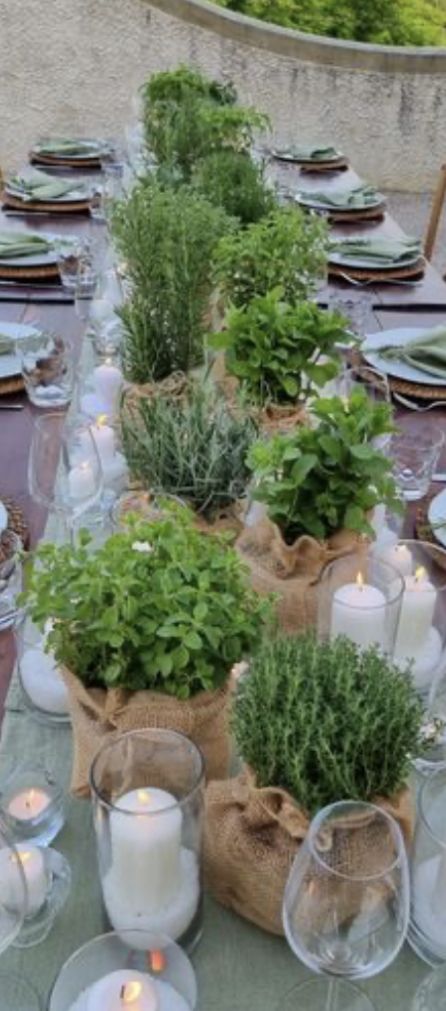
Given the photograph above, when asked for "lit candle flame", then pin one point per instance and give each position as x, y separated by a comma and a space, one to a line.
130, 992
420, 573
157, 961
29, 798
360, 580
85, 465
101, 420
20, 858
144, 796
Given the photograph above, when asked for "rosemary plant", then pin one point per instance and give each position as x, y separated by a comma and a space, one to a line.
194, 449
166, 236
178, 85
327, 721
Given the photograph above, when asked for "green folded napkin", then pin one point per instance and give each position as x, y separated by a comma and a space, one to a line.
6, 345
426, 352
384, 251
67, 146
40, 186
315, 152
359, 196
22, 244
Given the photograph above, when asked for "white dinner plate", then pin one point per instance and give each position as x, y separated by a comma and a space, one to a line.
38, 259
373, 342
307, 200
364, 263
9, 363
283, 156
436, 513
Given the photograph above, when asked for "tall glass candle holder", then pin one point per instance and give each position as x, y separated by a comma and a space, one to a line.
148, 973
360, 597
421, 631
147, 790
427, 929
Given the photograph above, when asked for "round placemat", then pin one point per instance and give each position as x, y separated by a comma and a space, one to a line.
357, 214
16, 520
324, 166
423, 529
421, 391
50, 206
30, 273
11, 384
372, 274
65, 162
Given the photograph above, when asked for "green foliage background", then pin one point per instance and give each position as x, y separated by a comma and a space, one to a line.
389, 22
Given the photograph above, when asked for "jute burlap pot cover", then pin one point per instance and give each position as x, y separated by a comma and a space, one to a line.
98, 714
251, 837
291, 571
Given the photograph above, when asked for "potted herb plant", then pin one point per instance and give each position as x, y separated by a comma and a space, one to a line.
166, 237
314, 723
286, 248
280, 352
318, 485
192, 447
179, 84
146, 629
230, 179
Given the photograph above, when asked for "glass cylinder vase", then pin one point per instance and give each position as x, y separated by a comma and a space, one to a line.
427, 930
148, 791
360, 597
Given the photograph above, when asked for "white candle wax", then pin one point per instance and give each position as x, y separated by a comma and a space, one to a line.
42, 682
3, 518
429, 901
102, 995
358, 612
92, 405
28, 804
400, 557
417, 612
108, 380
81, 481
33, 866
115, 471
146, 849
104, 439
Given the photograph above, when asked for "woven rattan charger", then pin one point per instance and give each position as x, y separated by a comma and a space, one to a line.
309, 168
414, 271
49, 206
65, 162
420, 391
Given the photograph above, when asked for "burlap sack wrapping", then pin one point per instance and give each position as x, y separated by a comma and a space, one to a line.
291, 571
98, 714
251, 838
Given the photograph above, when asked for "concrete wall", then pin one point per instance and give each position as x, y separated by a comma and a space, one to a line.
74, 65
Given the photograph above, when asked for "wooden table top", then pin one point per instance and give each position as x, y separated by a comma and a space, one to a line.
394, 306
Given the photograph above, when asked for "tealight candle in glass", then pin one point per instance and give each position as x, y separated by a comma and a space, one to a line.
147, 790
33, 805
427, 929
360, 598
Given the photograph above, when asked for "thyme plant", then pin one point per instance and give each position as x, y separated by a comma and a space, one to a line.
327, 721
230, 179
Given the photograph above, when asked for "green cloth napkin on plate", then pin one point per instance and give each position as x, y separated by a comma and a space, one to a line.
14, 244
358, 197
384, 251
316, 152
426, 352
7, 345
67, 146
40, 186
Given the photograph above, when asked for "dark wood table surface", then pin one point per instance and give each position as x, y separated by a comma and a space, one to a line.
394, 306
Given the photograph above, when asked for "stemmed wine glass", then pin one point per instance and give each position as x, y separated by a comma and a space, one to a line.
64, 470
346, 904
15, 991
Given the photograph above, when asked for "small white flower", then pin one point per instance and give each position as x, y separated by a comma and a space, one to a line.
143, 547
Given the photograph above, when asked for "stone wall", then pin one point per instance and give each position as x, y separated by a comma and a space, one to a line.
74, 65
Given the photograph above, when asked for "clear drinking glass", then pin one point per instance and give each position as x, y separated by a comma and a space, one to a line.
69, 256
414, 461
427, 929
356, 308
10, 578
346, 902
147, 791
47, 366
64, 468
84, 292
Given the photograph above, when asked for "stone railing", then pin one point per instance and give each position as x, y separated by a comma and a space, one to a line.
75, 66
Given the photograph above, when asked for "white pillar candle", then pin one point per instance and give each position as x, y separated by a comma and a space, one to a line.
417, 612
28, 804
81, 481
108, 380
155, 994
3, 518
146, 849
33, 866
400, 557
358, 612
104, 439
42, 681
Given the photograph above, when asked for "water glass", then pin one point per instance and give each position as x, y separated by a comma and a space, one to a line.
47, 367
356, 309
69, 257
414, 462
86, 284
427, 929
10, 577
148, 790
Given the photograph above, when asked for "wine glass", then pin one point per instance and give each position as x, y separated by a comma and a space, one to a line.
346, 903
64, 469
15, 991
